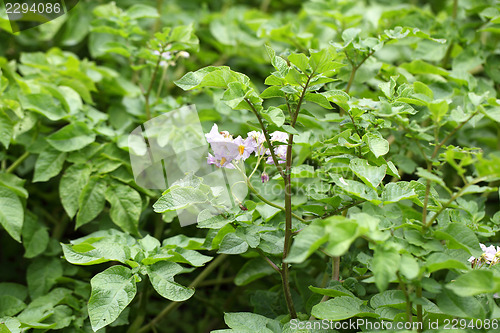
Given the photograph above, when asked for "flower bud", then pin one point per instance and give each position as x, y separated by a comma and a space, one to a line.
264, 177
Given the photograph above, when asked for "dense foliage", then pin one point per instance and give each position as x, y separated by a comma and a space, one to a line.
370, 148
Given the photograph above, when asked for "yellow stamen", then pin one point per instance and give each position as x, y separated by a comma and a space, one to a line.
222, 161
242, 149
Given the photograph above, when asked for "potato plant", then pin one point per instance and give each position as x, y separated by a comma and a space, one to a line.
365, 135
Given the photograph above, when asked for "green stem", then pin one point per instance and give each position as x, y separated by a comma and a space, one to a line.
336, 268
141, 313
156, 26
453, 198
270, 203
267, 136
409, 316
288, 207
147, 93
355, 68
338, 210
17, 162
163, 77
419, 309
269, 261
173, 305
335, 276
216, 282
429, 168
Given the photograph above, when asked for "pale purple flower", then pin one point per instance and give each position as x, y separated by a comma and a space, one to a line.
491, 255
216, 136
227, 150
222, 163
256, 139
164, 55
279, 136
280, 150
224, 148
245, 147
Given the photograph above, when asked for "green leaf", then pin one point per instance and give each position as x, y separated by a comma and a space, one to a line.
319, 99
179, 198
112, 291
10, 306
307, 242
475, 282
42, 307
252, 270
49, 164
72, 137
422, 67
395, 192
85, 256
142, 11
356, 188
35, 237
332, 291
300, 60
377, 144
289, 129
385, 264
11, 213
322, 61
392, 298
423, 89
14, 183
464, 307
71, 186
271, 92
162, 275
388, 87
370, 175
341, 308
190, 257
439, 260
42, 275
430, 176
99, 247
245, 322
460, 236
234, 96
278, 62
126, 207
14, 289
6, 129
438, 110
409, 266
91, 201
207, 220
232, 244
342, 233
43, 104
274, 115
218, 77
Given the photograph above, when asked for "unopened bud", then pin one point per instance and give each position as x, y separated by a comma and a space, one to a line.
264, 177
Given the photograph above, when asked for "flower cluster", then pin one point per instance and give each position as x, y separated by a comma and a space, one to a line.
279, 151
166, 56
490, 256
227, 149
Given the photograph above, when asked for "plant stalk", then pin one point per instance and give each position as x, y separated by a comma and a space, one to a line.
17, 162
